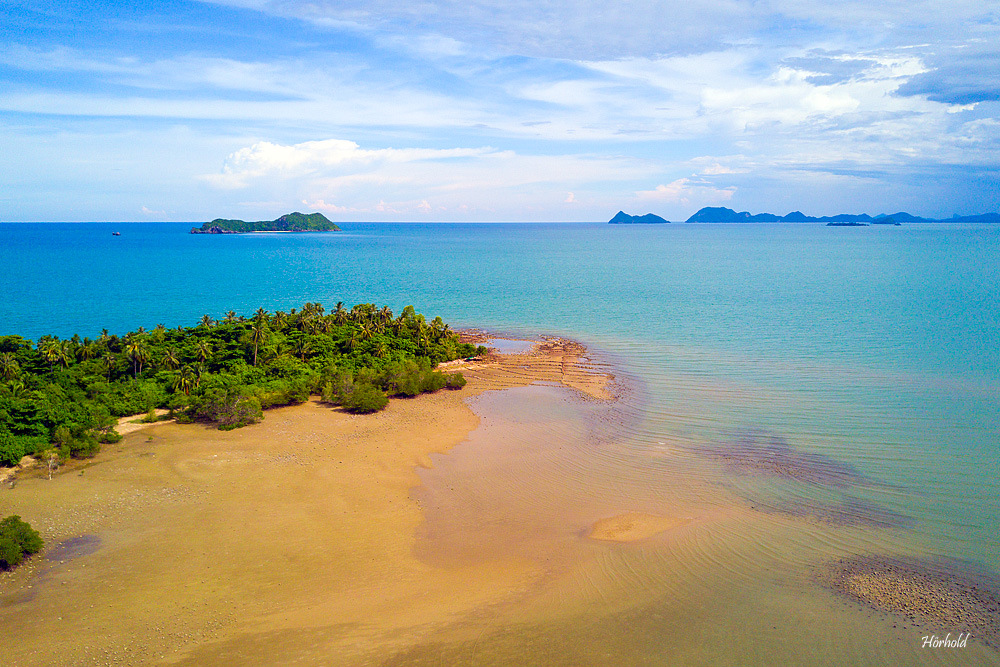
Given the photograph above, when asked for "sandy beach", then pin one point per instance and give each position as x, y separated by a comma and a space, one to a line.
293, 538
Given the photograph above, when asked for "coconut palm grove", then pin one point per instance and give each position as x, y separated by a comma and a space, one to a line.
63, 398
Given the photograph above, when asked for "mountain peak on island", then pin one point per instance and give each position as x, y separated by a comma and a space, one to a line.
623, 218
290, 222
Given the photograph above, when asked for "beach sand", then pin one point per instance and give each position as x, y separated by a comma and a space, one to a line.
293, 538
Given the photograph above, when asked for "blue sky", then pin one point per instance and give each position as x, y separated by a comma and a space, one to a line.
487, 110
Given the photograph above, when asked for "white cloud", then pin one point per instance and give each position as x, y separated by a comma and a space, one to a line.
323, 158
340, 177
688, 192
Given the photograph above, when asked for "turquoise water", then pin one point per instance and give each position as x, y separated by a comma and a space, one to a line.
875, 347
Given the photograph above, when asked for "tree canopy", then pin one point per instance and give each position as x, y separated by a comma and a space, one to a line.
68, 394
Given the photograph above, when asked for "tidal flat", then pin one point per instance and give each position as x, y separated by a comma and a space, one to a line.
503, 523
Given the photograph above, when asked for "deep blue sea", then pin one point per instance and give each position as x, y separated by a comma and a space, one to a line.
878, 347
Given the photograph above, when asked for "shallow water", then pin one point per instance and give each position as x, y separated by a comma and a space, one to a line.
871, 357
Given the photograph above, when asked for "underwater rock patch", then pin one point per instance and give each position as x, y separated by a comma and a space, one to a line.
952, 595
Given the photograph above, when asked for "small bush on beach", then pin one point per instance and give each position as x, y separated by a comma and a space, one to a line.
456, 381
365, 398
17, 539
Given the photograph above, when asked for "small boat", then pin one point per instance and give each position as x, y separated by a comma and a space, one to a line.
116, 233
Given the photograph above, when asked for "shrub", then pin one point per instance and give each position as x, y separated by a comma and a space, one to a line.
432, 381
338, 388
231, 407
110, 436
17, 539
365, 398
456, 381
11, 448
14, 447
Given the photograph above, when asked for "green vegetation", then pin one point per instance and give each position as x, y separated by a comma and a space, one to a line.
291, 222
17, 540
65, 396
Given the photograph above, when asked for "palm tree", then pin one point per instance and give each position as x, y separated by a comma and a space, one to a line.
230, 317
353, 341
9, 368
302, 346
55, 351
260, 315
206, 321
258, 332
203, 350
110, 360
169, 359
339, 314
136, 350
279, 320
66, 353
88, 350
185, 380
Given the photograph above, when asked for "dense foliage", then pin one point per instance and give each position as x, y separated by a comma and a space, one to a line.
17, 540
290, 222
67, 395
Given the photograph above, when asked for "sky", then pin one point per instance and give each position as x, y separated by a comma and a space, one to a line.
496, 110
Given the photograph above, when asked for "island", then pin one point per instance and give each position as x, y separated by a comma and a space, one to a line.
723, 214
622, 218
290, 222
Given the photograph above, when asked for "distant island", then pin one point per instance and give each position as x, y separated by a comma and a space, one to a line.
622, 218
291, 222
722, 214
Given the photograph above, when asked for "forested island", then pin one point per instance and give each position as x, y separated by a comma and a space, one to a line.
63, 398
623, 218
290, 222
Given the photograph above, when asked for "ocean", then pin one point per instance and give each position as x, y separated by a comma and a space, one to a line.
854, 371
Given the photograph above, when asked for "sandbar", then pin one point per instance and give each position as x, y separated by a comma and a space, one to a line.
633, 526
